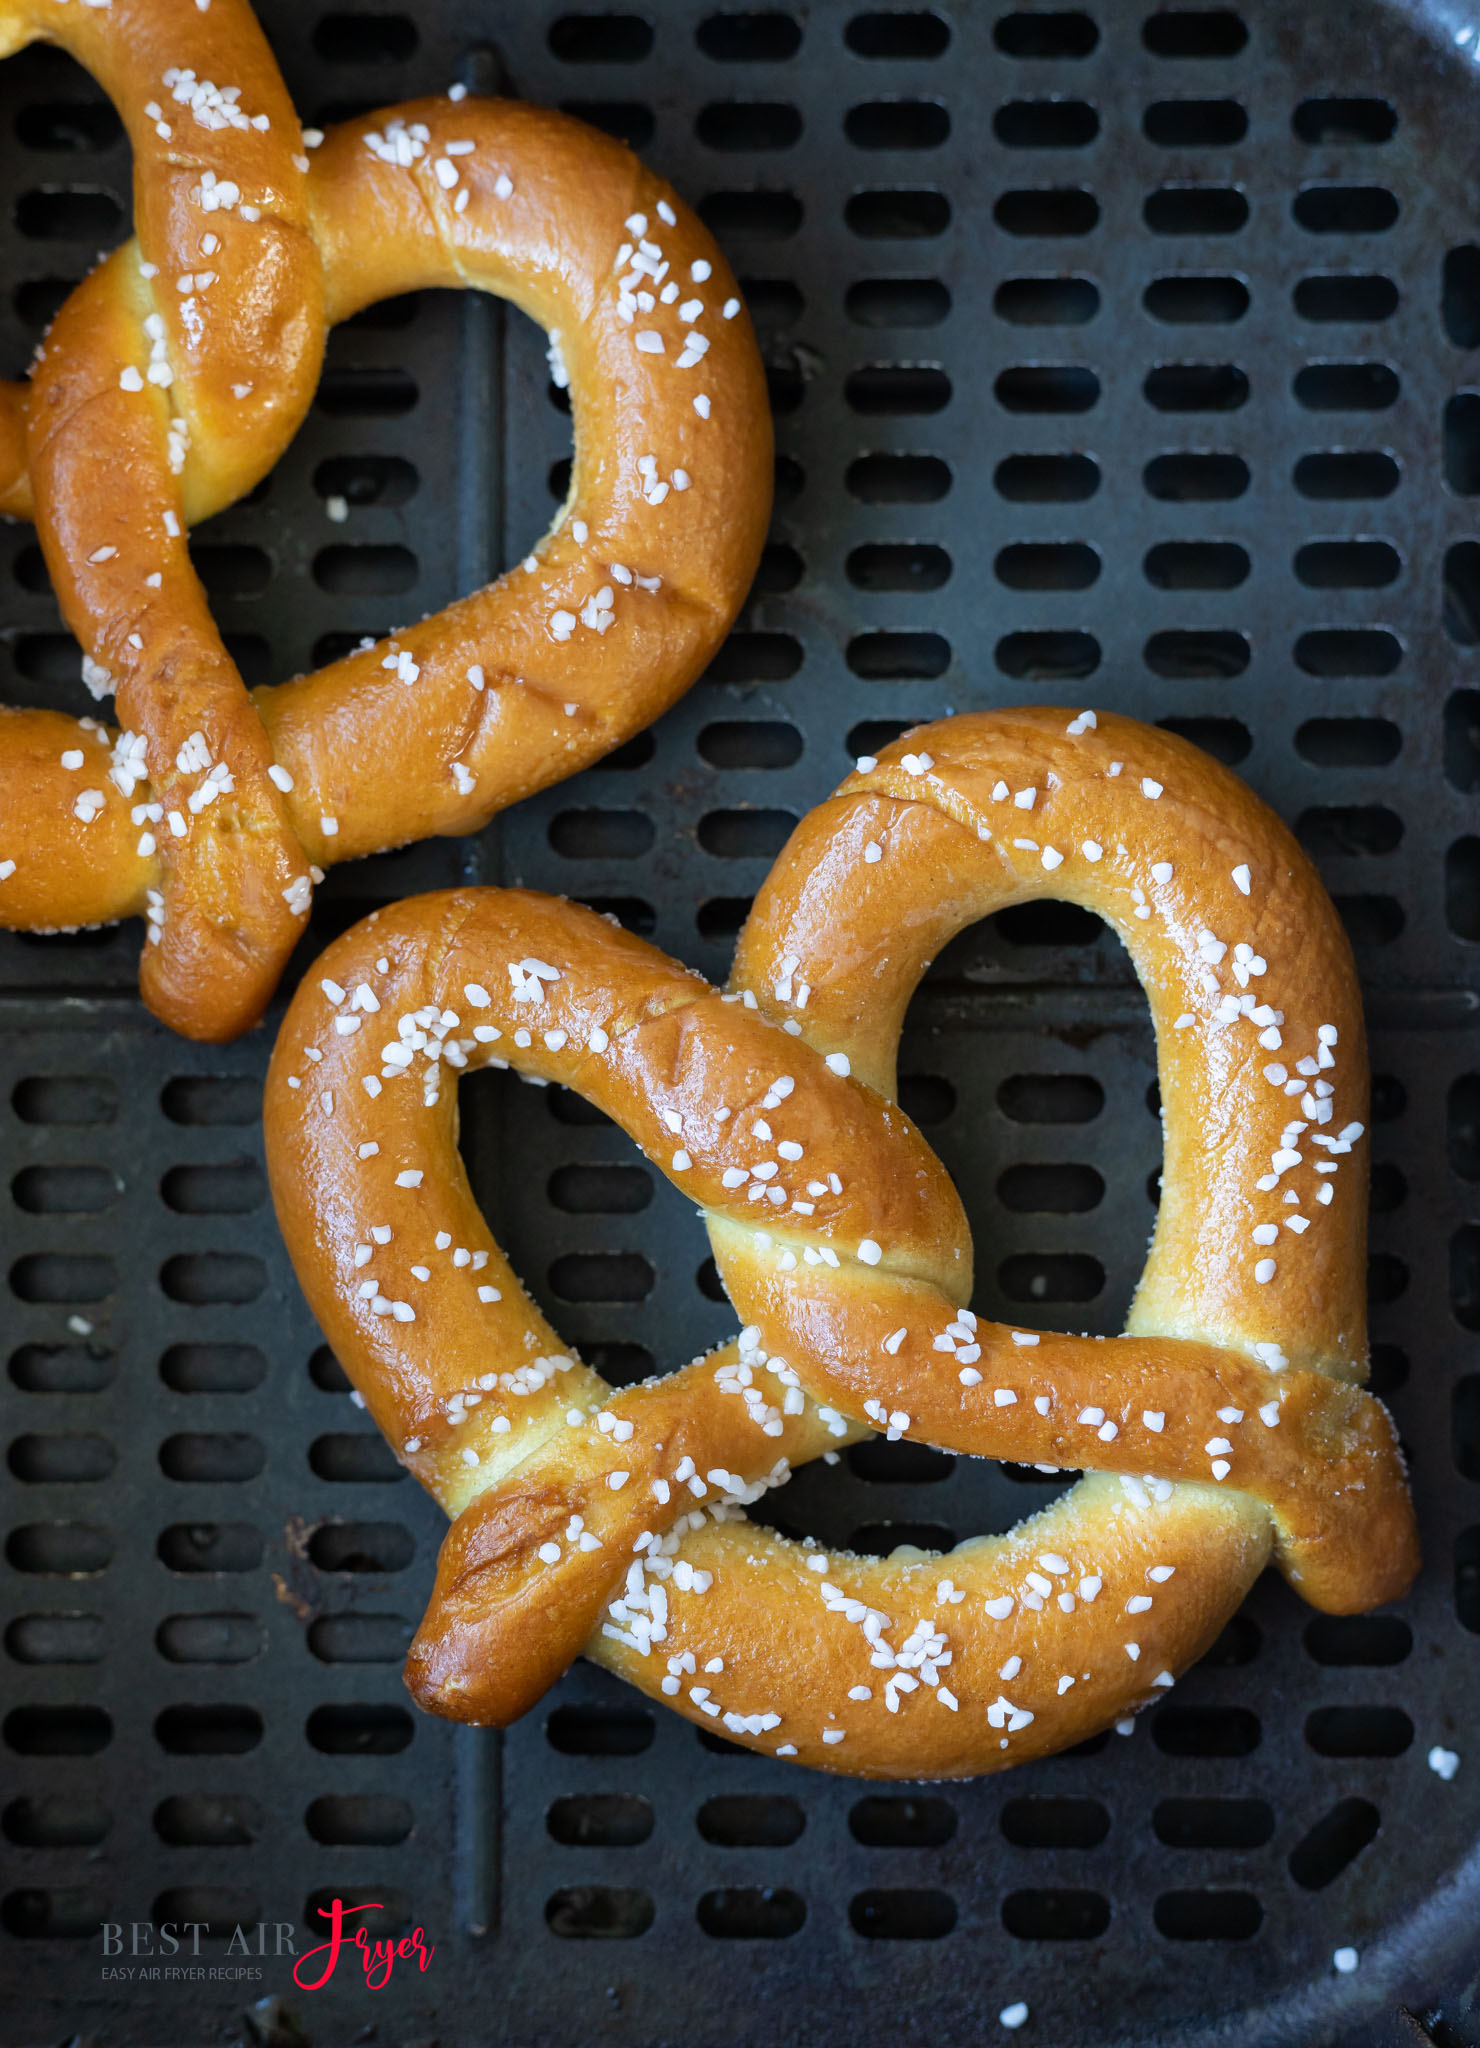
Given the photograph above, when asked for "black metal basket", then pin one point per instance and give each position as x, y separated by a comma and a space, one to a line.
1118, 357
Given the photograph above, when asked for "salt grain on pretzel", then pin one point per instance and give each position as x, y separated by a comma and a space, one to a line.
1226, 1428
171, 380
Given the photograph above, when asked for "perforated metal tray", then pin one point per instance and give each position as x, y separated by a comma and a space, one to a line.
1115, 359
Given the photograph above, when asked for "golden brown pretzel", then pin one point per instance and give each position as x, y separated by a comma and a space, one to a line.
1227, 1426
610, 619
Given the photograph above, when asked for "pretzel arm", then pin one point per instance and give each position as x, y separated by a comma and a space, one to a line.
215, 340
98, 455
1167, 1409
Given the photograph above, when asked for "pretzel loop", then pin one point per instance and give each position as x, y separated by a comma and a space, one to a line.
1223, 1425
213, 812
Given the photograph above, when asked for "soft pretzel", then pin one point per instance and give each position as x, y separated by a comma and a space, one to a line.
213, 812
1226, 1427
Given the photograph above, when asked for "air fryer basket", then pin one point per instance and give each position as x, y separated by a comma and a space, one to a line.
1117, 358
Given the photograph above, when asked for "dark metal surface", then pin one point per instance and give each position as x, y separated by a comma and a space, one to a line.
976, 243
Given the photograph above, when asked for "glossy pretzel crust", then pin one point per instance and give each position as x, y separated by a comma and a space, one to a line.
1225, 1428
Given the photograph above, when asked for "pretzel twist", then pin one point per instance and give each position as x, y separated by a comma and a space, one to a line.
177, 372
1225, 1427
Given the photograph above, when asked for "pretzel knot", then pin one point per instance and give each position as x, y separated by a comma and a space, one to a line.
173, 378
1226, 1426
